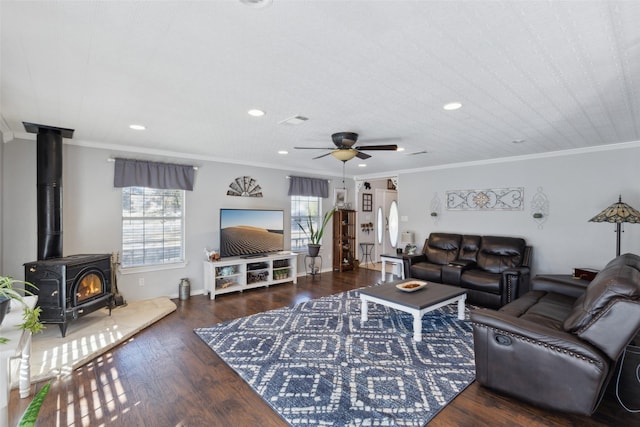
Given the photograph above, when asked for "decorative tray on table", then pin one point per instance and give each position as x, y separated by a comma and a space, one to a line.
411, 286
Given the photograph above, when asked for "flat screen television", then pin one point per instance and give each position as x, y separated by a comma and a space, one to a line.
251, 232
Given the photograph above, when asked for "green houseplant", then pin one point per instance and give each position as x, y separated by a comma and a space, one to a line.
9, 291
315, 234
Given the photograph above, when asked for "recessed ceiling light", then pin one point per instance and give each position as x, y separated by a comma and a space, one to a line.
256, 113
137, 127
283, 152
400, 149
452, 106
362, 165
518, 141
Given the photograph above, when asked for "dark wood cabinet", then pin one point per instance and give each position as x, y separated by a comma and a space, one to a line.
344, 240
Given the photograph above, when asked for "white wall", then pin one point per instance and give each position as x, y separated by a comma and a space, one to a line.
92, 212
578, 186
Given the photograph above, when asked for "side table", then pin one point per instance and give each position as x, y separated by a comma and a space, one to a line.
311, 267
394, 260
366, 249
19, 345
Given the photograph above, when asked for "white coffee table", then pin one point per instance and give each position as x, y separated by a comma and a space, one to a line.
417, 303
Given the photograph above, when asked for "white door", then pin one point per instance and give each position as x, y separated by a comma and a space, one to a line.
385, 199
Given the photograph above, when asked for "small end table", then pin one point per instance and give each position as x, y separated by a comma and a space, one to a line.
395, 260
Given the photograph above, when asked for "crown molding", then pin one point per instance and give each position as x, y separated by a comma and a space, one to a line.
549, 154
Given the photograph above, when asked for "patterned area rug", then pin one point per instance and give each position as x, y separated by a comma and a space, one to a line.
315, 364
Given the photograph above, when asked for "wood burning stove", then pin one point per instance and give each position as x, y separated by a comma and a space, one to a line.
71, 286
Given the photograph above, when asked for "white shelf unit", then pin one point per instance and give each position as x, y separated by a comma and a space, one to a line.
237, 274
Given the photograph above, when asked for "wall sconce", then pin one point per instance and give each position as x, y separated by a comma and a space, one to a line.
435, 208
540, 207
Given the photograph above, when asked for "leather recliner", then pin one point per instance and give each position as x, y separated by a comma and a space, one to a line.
558, 345
499, 274
493, 269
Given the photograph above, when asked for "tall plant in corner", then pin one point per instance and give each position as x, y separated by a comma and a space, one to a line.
8, 292
315, 234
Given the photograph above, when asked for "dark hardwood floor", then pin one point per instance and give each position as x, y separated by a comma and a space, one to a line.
166, 376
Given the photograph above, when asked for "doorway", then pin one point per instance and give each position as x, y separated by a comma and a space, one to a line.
386, 222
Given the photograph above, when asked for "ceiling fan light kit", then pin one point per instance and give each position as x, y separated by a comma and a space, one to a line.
344, 155
345, 149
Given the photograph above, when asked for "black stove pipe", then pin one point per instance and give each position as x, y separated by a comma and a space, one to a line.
49, 188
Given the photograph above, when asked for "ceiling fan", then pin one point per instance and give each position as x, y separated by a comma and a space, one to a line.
346, 149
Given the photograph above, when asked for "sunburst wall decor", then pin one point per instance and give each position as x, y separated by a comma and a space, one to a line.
244, 186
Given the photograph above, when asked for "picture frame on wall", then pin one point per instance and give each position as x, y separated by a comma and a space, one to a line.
339, 197
367, 202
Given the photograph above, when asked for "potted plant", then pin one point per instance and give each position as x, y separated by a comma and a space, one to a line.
315, 235
8, 292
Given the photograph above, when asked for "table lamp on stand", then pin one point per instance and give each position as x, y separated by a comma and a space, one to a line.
406, 238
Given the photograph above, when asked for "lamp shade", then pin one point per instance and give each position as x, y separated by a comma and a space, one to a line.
617, 213
406, 238
344, 155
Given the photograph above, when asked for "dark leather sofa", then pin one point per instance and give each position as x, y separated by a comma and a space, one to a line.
493, 269
558, 345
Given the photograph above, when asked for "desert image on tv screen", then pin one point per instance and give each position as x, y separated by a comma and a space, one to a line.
245, 232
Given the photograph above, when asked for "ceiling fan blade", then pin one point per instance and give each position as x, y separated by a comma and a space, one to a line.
387, 140
314, 148
321, 156
389, 147
362, 156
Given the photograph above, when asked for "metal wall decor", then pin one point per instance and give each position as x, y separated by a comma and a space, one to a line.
244, 186
505, 199
540, 207
435, 208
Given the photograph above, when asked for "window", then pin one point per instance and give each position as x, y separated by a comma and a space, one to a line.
152, 226
301, 208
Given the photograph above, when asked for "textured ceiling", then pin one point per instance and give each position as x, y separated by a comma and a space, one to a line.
558, 75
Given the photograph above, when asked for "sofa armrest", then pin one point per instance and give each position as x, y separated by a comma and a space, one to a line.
510, 327
516, 282
559, 284
618, 312
412, 259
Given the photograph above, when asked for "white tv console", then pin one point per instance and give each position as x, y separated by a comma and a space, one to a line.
237, 274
